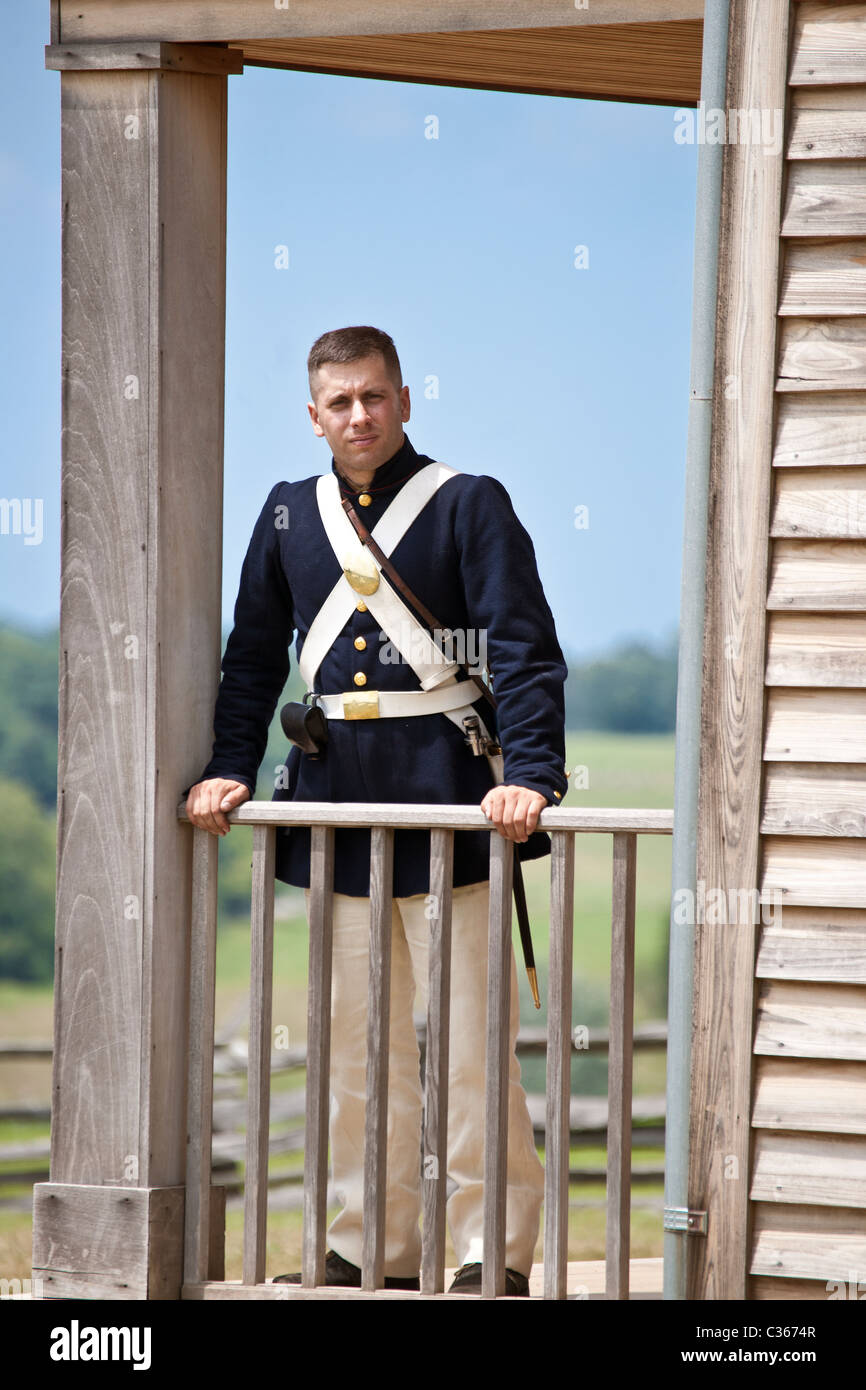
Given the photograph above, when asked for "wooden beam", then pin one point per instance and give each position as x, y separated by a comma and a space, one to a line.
612, 50
169, 57
143, 190
189, 21
733, 699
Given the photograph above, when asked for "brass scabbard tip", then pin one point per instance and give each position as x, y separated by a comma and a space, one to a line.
533, 985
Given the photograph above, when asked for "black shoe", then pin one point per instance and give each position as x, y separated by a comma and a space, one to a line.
468, 1280
339, 1273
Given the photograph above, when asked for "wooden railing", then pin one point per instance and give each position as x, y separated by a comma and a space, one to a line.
442, 821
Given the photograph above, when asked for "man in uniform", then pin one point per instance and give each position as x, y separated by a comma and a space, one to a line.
395, 734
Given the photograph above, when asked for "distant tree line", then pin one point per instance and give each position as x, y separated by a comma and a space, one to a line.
633, 690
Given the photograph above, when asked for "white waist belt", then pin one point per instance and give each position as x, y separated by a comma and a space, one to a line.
396, 704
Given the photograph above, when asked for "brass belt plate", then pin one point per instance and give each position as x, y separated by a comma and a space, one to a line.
363, 704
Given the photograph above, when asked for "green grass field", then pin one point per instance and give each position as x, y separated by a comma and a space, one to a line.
607, 770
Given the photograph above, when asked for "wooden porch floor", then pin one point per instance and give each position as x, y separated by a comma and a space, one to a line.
585, 1280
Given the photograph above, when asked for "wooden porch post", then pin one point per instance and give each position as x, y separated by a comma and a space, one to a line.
143, 151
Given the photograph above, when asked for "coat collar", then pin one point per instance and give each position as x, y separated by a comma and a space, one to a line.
388, 476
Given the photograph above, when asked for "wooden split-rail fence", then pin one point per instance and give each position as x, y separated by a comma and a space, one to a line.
25, 1161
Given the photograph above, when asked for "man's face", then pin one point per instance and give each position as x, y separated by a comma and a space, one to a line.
360, 411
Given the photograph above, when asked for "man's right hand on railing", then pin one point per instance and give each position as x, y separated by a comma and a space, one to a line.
209, 801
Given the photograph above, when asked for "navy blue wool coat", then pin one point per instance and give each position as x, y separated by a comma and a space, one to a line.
472, 563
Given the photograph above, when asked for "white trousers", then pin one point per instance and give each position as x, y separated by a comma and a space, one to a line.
525, 1189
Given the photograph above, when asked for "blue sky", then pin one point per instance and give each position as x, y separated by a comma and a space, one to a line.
569, 384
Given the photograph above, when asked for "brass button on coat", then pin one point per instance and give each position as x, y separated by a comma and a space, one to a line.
360, 643
359, 678
361, 606
365, 499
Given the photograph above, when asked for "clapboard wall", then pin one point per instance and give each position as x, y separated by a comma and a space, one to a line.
808, 1170
784, 766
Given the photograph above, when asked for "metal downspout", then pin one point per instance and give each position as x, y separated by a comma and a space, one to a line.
688, 731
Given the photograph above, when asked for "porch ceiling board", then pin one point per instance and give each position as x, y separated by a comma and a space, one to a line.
644, 62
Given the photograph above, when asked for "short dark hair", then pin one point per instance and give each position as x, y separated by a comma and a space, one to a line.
348, 345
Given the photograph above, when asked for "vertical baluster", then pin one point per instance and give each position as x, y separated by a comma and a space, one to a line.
318, 1054
620, 1067
199, 1123
497, 1065
557, 1125
259, 1061
378, 1029
435, 1147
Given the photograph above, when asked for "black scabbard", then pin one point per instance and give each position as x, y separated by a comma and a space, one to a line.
523, 926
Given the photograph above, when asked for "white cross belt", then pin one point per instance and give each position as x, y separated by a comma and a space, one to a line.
396, 704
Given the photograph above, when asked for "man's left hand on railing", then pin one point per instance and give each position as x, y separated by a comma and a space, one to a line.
514, 810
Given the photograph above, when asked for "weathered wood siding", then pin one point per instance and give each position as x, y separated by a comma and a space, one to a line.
800, 1008
808, 1174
